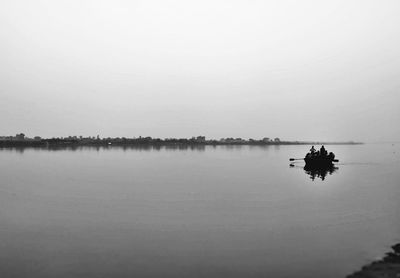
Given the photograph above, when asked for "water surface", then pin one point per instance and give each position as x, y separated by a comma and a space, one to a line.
237, 211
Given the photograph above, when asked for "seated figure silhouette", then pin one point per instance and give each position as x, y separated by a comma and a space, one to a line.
312, 150
323, 151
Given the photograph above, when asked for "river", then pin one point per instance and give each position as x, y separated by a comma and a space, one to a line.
224, 211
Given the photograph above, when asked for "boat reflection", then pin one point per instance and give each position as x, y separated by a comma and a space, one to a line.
320, 172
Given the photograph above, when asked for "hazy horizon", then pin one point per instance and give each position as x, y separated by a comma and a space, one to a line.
309, 70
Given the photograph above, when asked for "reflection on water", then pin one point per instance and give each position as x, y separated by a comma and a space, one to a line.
139, 147
320, 172
136, 147
317, 172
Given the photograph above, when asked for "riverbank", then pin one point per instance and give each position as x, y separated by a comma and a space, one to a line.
388, 267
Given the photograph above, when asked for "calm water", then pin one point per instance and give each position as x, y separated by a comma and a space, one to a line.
208, 212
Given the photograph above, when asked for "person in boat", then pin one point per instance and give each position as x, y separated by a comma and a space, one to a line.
323, 151
312, 151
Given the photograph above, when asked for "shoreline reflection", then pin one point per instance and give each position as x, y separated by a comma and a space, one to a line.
144, 147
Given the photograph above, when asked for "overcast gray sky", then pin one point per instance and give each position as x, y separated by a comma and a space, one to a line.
299, 70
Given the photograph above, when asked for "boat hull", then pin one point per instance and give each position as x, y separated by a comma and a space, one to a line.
318, 162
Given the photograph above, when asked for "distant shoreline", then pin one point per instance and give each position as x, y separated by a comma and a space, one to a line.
154, 142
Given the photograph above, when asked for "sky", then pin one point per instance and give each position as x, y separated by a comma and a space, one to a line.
298, 70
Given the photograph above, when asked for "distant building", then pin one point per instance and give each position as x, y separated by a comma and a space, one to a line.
37, 138
20, 136
266, 139
277, 139
200, 139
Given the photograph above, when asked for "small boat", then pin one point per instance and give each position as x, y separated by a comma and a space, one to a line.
318, 159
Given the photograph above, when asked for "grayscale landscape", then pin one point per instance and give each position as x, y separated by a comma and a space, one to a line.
199, 139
